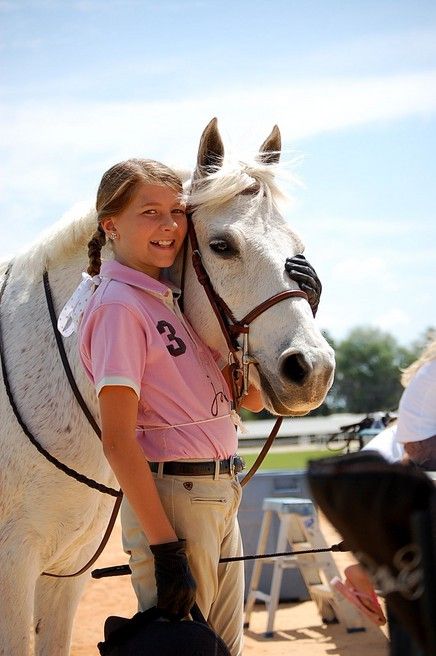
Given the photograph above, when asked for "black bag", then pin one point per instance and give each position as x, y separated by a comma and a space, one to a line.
150, 633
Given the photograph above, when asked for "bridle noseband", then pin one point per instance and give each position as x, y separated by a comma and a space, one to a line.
239, 357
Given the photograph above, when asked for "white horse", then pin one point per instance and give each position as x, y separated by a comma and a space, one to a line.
48, 521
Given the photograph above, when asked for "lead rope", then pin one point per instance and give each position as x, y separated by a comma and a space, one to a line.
81, 478
91, 420
80, 400
266, 447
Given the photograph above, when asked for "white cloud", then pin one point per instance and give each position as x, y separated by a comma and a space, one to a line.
393, 318
364, 269
381, 228
99, 5
386, 283
25, 5
302, 109
53, 155
43, 143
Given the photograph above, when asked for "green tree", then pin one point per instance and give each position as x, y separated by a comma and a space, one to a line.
368, 372
368, 364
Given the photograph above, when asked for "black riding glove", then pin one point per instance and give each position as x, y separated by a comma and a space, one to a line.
302, 272
175, 584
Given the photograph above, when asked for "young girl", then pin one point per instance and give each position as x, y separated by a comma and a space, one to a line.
165, 408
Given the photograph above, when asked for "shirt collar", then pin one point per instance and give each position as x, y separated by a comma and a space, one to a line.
113, 270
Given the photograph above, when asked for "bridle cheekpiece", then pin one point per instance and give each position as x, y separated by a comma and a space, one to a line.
239, 356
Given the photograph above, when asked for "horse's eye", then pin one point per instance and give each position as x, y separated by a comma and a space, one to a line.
219, 246
222, 247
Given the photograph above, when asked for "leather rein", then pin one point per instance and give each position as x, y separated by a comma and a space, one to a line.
239, 358
48, 456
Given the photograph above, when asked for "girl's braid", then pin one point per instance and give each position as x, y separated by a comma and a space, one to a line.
95, 245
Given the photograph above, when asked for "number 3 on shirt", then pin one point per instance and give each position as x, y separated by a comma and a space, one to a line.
169, 331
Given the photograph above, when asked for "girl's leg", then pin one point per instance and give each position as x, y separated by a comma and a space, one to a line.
227, 613
203, 511
206, 515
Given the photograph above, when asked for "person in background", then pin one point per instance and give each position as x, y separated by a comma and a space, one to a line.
411, 440
416, 428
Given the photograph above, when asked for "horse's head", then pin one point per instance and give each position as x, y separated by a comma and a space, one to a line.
244, 242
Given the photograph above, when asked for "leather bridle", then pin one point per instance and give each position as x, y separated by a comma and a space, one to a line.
239, 357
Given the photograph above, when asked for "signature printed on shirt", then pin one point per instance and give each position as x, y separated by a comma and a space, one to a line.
219, 397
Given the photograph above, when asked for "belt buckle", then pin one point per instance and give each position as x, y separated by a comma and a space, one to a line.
232, 466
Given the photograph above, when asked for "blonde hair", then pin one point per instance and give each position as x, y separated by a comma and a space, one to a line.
115, 192
428, 354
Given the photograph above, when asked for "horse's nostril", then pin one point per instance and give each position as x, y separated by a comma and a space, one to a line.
296, 368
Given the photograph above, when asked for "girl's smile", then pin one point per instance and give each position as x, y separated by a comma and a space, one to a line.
164, 244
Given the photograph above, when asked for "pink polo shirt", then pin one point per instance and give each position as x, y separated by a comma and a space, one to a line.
133, 334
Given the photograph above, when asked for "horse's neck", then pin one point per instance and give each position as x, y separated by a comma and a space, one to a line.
65, 276
196, 305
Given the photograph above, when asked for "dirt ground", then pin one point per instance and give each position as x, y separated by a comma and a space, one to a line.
299, 630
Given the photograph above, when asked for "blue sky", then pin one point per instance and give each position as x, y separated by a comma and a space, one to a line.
352, 85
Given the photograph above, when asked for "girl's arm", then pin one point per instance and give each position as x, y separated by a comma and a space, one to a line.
119, 411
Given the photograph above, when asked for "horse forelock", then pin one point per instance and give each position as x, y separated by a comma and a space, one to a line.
235, 178
62, 240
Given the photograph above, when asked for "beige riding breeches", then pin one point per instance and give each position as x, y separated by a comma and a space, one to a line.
203, 510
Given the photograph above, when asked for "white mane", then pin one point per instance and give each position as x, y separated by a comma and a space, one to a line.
234, 178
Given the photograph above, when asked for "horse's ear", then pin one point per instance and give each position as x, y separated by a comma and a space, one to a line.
269, 152
210, 151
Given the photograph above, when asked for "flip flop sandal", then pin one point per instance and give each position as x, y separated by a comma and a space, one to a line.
357, 599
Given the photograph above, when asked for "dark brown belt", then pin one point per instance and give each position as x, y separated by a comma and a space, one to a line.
232, 465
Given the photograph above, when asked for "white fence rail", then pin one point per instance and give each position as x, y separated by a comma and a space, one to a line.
298, 430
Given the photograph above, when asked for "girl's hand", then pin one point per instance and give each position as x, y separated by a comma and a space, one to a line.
359, 582
176, 587
302, 272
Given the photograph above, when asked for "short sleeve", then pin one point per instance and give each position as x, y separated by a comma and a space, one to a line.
113, 347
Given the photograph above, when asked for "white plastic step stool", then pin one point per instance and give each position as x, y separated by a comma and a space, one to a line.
298, 530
